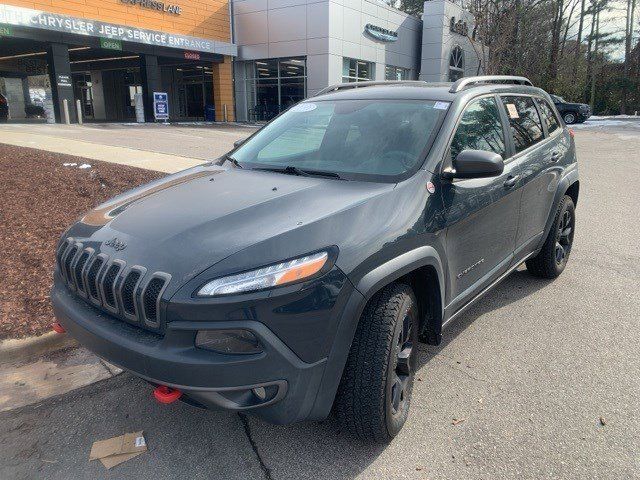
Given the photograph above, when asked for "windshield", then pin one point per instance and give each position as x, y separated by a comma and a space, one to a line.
351, 138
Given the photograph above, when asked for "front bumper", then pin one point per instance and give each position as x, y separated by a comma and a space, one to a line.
583, 115
298, 390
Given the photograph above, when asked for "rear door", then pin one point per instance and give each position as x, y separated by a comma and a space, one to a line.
481, 214
537, 138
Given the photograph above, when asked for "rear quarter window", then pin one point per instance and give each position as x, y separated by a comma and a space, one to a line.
525, 123
549, 116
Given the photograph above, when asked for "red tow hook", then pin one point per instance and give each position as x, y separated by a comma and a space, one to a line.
58, 328
166, 394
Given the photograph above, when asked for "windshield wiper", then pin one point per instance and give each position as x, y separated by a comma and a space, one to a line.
228, 158
291, 170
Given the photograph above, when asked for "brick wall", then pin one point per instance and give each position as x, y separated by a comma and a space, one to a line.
199, 18
223, 90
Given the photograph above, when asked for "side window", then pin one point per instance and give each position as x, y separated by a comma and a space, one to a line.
549, 117
480, 128
526, 126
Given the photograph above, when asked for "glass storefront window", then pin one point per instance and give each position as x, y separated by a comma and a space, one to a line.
356, 70
456, 63
292, 67
273, 85
396, 73
266, 69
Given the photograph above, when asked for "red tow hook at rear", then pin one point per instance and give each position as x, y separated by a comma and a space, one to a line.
166, 394
58, 328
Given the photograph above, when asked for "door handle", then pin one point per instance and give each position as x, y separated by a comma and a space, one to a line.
555, 156
511, 181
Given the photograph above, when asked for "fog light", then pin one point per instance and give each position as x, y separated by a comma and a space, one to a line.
239, 342
260, 393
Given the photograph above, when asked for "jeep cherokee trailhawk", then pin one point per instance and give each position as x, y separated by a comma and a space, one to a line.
297, 274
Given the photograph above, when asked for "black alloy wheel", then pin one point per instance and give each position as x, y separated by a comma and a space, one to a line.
402, 368
554, 254
564, 237
374, 395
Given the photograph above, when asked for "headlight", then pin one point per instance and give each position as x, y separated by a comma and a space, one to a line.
272, 276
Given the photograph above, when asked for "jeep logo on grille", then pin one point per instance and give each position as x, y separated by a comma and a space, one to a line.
116, 244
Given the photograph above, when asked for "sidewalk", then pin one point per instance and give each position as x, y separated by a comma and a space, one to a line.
106, 153
165, 148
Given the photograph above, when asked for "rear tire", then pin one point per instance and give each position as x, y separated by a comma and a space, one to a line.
375, 391
553, 257
569, 118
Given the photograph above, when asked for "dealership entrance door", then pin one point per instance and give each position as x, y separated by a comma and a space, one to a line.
190, 88
24, 79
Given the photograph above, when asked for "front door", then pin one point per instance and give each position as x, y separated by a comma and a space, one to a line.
481, 214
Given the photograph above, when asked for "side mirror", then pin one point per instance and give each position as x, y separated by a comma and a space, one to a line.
237, 143
477, 164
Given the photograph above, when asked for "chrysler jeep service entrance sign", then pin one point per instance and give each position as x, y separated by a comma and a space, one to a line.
26, 17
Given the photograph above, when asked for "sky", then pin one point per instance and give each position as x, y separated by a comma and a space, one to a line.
614, 21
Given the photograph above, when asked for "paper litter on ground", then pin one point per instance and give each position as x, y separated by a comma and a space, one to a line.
114, 451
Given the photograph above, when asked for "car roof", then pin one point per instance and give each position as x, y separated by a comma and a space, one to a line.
422, 91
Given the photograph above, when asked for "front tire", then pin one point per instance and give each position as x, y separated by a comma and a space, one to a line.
552, 259
375, 391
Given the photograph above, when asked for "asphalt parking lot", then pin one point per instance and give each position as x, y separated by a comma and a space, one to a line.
537, 380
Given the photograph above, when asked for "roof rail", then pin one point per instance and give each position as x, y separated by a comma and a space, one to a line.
350, 85
466, 81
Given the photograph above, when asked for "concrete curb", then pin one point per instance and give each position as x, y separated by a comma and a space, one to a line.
37, 368
13, 350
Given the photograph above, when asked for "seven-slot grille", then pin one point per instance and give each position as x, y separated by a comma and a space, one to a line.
127, 292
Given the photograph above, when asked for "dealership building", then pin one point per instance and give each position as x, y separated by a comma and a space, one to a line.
246, 60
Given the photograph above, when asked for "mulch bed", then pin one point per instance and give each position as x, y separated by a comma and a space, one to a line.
39, 199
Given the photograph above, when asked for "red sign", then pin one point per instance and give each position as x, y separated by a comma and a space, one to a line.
192, 55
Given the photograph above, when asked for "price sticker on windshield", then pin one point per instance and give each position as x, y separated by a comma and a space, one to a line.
304, 107
513, 111
441, 105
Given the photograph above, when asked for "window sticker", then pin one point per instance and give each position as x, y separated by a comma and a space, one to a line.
304, 107
441, 105
513, 111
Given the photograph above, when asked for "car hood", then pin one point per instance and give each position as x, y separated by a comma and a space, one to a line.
188, 222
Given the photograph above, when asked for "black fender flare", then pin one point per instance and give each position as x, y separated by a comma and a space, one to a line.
398, 267
570, 177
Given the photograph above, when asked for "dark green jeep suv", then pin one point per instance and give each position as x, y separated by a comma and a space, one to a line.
298, 273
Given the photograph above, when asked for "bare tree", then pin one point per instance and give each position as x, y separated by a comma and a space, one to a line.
579, 39
628, 38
